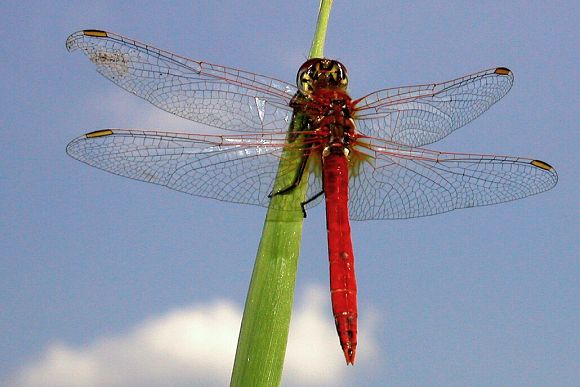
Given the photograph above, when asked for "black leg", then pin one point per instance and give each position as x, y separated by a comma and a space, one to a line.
298, 177
303, 204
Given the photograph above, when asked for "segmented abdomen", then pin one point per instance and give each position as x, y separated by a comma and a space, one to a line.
340, 252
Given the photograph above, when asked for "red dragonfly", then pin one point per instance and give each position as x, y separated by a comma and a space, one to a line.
363, 155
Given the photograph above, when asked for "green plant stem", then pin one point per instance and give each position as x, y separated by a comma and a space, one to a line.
265, 324
317, 48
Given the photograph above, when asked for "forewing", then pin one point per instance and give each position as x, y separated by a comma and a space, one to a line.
402, 182
239, 169
210, 94
419, 115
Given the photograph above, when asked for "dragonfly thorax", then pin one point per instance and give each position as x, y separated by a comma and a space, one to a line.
326, 105
336, 131
328, 116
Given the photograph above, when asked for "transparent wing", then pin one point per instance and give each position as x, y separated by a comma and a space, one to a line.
392, 181
397, 182
239, 169
210, 94
420, 115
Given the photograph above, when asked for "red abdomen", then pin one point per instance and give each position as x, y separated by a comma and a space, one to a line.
342, 277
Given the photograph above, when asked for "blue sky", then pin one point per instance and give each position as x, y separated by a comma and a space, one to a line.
108, 281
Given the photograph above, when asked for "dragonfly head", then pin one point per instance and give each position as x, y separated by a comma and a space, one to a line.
320, 73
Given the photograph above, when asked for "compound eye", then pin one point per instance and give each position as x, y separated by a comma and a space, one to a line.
305, 82
305, 77
336, 75
321, 73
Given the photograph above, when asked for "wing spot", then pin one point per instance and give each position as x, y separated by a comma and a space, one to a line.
95, 33
541, 164
502, 71
99, 133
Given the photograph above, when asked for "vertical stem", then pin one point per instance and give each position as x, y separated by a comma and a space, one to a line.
264, 331
317, 48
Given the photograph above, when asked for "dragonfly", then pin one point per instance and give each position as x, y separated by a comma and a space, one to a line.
365, 156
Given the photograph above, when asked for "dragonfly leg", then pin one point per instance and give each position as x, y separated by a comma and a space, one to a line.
297, 178
305, 203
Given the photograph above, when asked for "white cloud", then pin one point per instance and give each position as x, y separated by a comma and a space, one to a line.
191, 345
195, 346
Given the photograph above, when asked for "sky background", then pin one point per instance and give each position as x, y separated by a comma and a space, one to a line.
109, 281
